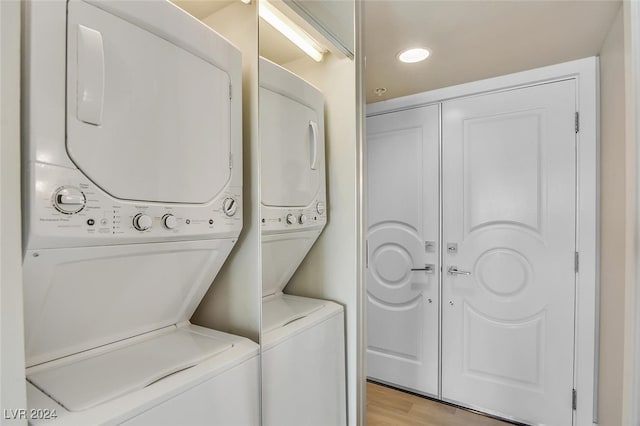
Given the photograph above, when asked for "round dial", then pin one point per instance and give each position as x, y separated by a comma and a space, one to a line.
302, 219
229, 206
169, 221
320, 207
291, 219
142, 222
68, 200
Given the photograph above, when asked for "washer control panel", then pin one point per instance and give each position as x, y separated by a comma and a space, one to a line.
65, 206
294, 219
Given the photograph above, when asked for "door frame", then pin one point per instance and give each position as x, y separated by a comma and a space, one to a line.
13, 393
585, 73
631, 385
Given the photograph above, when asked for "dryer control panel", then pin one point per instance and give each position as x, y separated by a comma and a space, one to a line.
69, 210
283, 219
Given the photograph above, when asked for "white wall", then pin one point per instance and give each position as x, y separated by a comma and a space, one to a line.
12, 381
331, 269
234, 301
613, 201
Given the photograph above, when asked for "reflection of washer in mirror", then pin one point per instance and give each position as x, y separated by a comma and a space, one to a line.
293, 190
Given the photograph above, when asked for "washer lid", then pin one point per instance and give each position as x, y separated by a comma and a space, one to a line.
96, 379
146, 120
281, 310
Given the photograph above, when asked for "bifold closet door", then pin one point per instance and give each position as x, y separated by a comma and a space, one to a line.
403, 272
509, 196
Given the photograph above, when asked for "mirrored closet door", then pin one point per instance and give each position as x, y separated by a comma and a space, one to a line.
308, 204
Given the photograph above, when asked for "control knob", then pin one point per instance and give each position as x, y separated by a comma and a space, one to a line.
229, 206
291, 219
142, 222
302, 219
320, 207
69, 200
169, 221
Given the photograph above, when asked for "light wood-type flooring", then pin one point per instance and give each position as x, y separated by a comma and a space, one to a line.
391, 407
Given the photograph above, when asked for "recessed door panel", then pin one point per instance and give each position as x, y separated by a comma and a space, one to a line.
292, 151
510, 145
402, 194
508, 290
146, 119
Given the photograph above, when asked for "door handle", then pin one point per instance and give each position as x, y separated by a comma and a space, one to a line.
90, 96
428, 268
453, 270
314, 144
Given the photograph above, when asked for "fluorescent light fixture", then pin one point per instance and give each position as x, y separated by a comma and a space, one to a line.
411, 56
290, 30
246, 1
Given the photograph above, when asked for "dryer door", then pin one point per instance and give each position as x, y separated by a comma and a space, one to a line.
146, 120
292, 151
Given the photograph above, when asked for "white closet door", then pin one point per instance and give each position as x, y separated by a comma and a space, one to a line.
402, 308
509, 195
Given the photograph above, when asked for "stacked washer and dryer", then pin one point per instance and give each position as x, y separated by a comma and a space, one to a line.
132, 180
303, 348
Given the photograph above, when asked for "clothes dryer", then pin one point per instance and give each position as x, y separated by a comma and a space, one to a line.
303, 356
132, 202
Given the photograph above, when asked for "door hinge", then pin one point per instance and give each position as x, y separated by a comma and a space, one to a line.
577, 122
577, 261
574, 399
230, 91
231, 161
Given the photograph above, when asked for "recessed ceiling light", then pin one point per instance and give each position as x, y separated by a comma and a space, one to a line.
380, 91
413, 55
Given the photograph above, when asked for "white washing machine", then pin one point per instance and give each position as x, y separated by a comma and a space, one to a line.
132, 202
303, 355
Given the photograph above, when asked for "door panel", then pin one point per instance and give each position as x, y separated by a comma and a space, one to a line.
132, 107
289, 150
402, 181
509, 206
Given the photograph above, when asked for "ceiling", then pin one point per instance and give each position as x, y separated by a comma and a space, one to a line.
469, 40
472, 40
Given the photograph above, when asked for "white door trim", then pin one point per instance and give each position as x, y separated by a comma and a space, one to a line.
631, 389
585, 72
12, 380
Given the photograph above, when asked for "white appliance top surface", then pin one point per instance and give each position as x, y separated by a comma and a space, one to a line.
147, 120
96, 379
280, 310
